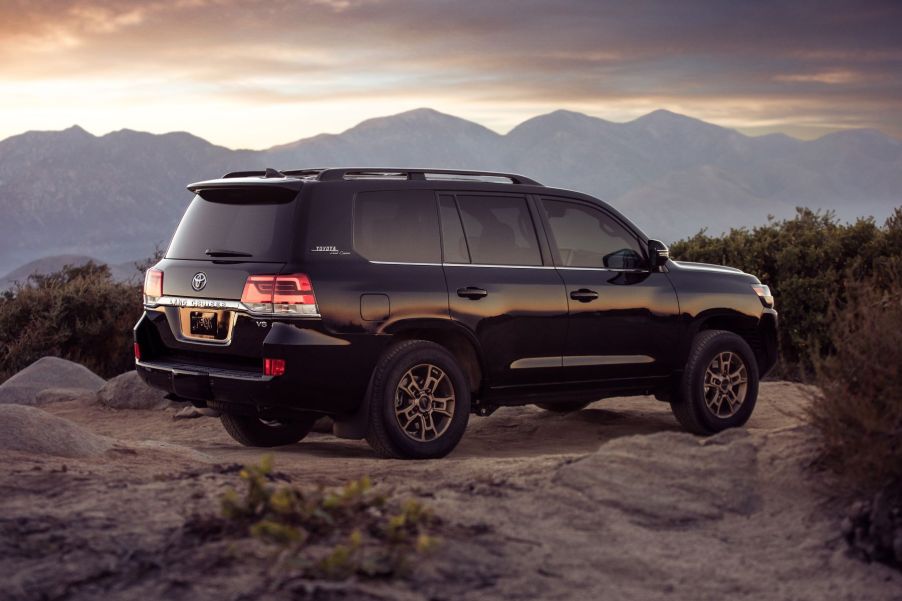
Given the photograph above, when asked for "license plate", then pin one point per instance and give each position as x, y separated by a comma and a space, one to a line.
203, 323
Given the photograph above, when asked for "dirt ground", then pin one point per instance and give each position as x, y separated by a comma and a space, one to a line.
612, 502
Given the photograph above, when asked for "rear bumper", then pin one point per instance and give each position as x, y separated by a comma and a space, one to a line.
323, 373
199, 383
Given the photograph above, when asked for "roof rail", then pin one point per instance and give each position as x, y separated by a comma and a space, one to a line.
330, 175
417, 174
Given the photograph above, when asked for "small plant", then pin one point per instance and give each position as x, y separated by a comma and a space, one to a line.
335, 534
858, 413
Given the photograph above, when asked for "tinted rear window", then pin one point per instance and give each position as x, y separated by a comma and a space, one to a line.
397, 225
241, 224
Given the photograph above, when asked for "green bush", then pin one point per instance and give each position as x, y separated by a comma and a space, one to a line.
806, 262
78, 313
330, 534
858, 410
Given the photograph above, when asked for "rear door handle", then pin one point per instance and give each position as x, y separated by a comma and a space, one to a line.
584, 295
472, 293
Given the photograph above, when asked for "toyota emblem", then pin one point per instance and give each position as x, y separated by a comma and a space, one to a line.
199, 281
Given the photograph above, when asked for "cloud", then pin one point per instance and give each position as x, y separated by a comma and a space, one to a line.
833, 64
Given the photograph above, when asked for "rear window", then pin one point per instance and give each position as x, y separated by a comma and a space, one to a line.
239, 227
397, 225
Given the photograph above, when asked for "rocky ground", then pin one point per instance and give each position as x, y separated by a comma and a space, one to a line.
100, 501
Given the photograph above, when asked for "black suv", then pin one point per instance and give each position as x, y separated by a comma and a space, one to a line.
399, 301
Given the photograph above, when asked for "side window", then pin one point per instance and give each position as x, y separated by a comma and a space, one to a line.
397, 225
499, 230
454, 243
589, 237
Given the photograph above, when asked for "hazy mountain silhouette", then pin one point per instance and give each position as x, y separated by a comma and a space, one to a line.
115, 196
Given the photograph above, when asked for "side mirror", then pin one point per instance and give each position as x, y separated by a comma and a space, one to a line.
658, 253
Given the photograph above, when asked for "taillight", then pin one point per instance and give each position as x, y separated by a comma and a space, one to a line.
283, 294
137, 352
153, 284
274, 367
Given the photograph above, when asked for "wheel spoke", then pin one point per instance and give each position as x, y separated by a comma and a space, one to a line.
424, 402
725, 384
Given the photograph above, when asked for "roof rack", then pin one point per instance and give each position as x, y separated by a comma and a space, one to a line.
346, 173
420, 174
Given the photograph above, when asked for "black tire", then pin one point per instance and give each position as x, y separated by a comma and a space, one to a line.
564, 407
384, 430
255, 432
689, 403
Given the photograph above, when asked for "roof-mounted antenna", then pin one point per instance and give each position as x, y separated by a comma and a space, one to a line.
272, 173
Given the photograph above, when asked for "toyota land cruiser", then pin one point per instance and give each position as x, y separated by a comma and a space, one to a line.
400, 301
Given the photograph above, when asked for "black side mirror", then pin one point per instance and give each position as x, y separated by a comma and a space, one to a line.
658, 253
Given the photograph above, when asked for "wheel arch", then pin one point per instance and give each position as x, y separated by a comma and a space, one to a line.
759, 332
453, 337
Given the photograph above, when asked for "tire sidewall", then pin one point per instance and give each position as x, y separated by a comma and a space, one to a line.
444, 444
722, 343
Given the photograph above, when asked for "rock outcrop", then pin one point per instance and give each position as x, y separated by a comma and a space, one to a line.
25, 387
128, 391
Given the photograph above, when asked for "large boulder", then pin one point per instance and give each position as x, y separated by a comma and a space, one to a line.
128, 391
25, 387
33, 430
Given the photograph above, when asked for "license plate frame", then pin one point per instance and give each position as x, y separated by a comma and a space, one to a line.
204, 323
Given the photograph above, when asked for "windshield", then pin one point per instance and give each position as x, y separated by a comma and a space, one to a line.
246, 228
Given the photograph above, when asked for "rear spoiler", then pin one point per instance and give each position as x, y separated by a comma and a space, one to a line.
242, 189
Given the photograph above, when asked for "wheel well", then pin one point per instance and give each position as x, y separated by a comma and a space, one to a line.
457, 344
755, 334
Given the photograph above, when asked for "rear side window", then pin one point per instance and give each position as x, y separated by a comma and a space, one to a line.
589, 237
397, 225
499, 230
241, 223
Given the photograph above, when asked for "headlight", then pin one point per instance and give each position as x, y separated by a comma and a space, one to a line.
763, 292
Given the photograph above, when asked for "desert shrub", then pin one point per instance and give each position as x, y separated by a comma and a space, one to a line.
858, 411
78, 313
806, 261
330, 534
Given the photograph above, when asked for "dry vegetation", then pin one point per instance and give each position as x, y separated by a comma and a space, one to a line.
859, 410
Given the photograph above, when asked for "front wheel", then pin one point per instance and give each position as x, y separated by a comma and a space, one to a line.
719, 386
419, 402
255, 432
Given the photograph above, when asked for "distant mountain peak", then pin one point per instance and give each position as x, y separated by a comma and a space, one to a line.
663, 116
419, 119
76, 132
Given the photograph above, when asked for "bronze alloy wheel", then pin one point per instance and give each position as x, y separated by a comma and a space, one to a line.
726, 384
424, 402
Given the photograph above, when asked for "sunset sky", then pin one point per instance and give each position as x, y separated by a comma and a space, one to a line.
254, 74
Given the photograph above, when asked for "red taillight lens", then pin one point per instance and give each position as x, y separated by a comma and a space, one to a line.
153, 283
258, 289
137, 352
291, 294
274, 367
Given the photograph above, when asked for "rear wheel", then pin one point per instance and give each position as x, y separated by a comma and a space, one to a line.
564, 407
419, 402
719, 386
256, 432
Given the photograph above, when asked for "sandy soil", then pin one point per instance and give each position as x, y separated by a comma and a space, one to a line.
610, 502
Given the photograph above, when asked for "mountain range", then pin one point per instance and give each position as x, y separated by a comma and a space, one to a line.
115, 197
